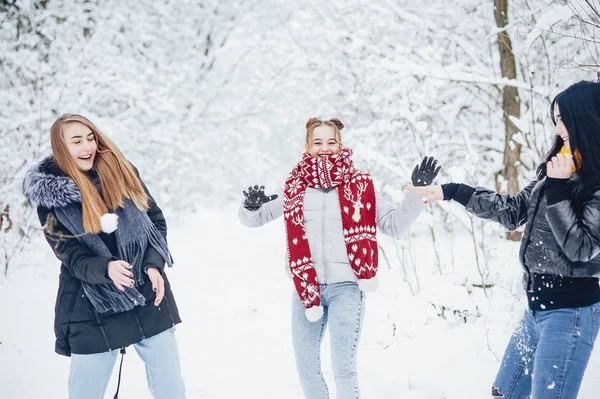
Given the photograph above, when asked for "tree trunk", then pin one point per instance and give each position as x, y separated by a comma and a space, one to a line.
511, 105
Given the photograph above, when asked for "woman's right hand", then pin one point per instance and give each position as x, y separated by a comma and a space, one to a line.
431, 193
119, 273
255, 197
424, 174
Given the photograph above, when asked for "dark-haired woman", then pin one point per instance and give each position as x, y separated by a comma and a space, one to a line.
332, 214
110, 236
548, 353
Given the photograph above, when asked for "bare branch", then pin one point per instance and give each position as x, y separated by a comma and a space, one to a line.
5, 215
593, 8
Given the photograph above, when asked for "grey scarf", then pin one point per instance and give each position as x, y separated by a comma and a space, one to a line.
134, 233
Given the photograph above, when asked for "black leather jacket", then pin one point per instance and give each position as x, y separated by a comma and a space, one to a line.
561, 237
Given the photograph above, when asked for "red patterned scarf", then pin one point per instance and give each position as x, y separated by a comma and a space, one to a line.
356, 194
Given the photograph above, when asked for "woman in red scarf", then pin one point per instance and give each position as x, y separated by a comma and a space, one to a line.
332, 213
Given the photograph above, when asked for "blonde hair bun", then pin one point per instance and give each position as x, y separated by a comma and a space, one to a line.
311, 121
338, 123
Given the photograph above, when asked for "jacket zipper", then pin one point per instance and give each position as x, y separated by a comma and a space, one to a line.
102, 330
166, 299
527, 270
139, 324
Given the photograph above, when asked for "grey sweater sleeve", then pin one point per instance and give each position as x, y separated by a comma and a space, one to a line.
265, 214
394, 221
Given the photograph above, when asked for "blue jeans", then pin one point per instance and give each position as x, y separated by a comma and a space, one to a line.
547, 354
343, 305
89, 374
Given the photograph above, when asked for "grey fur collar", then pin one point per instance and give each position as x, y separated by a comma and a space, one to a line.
47, 185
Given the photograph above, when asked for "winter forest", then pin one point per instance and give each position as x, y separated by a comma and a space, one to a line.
207, 97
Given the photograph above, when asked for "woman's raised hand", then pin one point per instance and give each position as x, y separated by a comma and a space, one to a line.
431, 193
119, 273
255, 197
560, 166
424, 174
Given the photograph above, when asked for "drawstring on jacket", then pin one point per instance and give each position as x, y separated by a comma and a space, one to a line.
122, 351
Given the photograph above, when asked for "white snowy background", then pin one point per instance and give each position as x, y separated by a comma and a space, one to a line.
207, 97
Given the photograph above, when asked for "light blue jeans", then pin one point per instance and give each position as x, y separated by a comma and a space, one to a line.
547, 354
343, 305
90, 374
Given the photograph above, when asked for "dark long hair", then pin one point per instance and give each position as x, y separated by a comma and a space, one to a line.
579, 107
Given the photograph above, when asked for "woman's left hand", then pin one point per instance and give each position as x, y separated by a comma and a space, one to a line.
158, 284
560, 166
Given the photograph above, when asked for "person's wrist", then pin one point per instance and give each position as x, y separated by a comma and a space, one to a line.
108, 262
556, 190
251, 207
449, 191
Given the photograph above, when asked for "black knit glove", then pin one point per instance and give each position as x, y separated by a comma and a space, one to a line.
424, 174
255, 197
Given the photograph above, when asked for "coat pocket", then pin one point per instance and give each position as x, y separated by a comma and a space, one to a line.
65, 301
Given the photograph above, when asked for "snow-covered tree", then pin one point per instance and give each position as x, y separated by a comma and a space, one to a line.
206, 97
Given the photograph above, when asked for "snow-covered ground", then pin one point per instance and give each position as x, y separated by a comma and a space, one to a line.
234, 298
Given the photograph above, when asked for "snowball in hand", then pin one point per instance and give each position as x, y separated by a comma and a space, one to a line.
109, 223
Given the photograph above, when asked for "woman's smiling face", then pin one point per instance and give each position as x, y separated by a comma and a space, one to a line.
81, 143
323, 142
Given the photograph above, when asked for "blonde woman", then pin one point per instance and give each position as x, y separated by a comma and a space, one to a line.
332, 214
110, 236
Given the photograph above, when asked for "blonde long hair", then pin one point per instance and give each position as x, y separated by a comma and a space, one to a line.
117, 177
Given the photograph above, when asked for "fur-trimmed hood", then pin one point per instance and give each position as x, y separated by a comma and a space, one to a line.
47, 185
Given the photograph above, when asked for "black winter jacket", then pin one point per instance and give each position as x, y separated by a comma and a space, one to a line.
562, 225
78, 327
